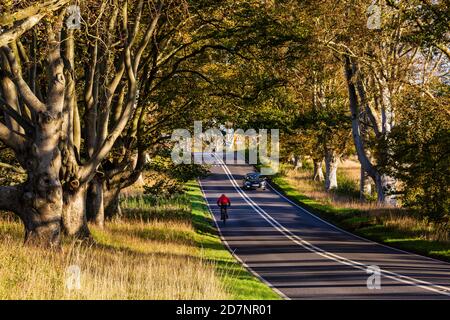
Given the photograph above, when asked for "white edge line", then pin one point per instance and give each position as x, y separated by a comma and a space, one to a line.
253, 272
349, 233
389, 274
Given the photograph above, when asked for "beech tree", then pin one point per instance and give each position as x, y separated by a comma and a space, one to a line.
59, 148
83, 106
379, 63
186, 70
81, 109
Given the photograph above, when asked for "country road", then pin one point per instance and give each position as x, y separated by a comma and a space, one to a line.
304, 257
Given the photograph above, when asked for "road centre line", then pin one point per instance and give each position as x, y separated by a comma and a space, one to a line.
309, 246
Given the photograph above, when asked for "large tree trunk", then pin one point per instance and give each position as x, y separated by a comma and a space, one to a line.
318, 172
41, 203
331, 165
95, 203
111, 198
43, 197
41, 215
74, 213
297, 161
365, 186
40, 212
43, 194
385, 185
367, 166
116, 183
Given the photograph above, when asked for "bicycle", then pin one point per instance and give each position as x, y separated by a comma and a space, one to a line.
223, 214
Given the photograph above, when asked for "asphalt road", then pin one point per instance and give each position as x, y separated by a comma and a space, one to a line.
303, 257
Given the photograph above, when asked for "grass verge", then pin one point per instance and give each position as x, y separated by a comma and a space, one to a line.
399, 231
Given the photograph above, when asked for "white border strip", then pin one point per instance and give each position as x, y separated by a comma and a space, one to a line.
309, 246
349, 233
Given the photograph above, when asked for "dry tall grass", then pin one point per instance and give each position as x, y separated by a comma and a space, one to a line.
348, 170
132, 259
349, 173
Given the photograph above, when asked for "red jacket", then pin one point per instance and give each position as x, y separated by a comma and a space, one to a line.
223, 201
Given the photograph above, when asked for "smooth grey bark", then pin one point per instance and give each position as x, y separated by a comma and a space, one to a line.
74, 222
318, 172
42, 226
388, 187
365, 185
9, 92
38, 201
331, 165
102, 133
41, 201
367, 166
95, 202
42, 196
387, 183
112, 202
118, 179
297, 161
71, 124
44, 193
52, 199
101, 104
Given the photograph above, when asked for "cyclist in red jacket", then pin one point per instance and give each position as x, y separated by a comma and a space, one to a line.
223, 202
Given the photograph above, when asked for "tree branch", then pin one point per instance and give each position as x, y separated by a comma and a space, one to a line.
11, 35
28, 96
10, 111
11, 139
10, 198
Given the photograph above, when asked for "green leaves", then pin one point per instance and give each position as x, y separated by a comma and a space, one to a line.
419, 156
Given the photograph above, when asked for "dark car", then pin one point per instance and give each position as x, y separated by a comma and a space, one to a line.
254, 180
